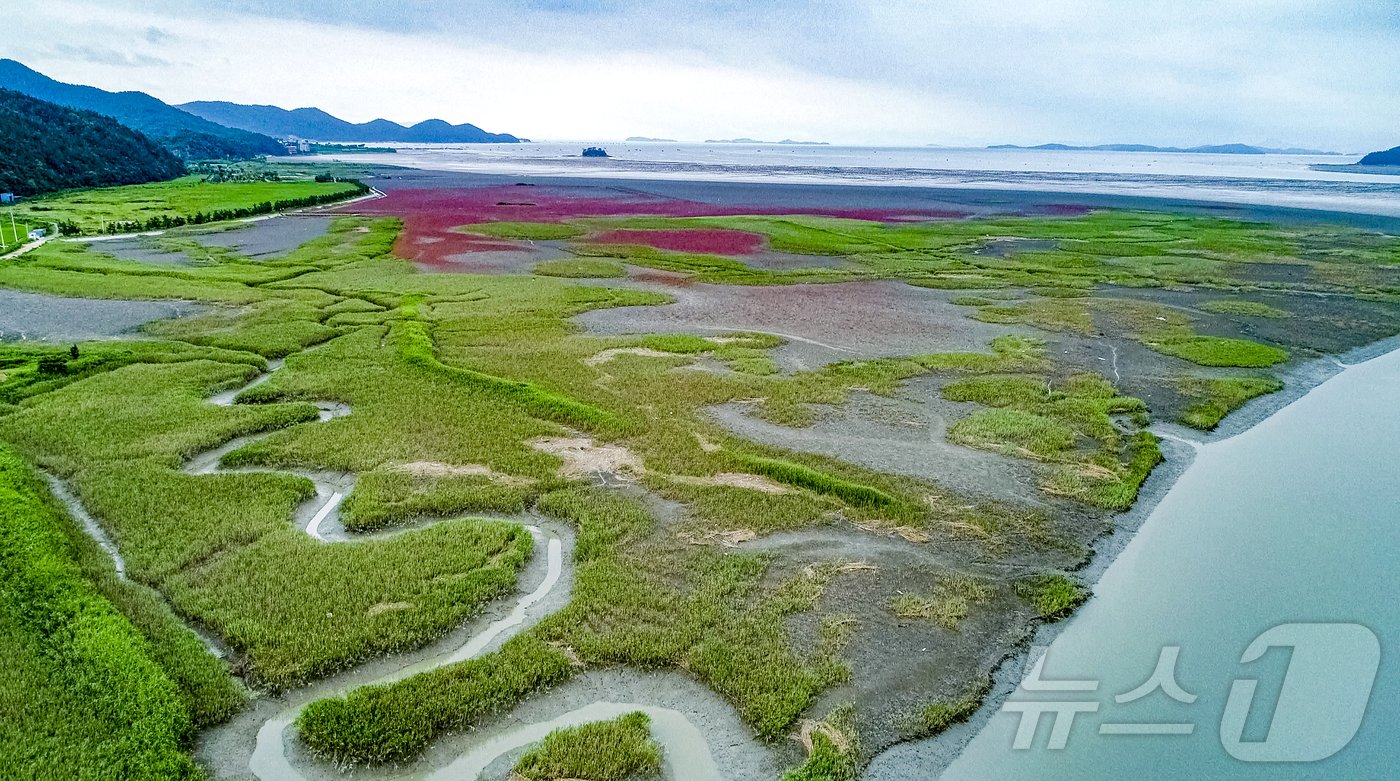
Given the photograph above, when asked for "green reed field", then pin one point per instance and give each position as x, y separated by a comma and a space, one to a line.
462, 386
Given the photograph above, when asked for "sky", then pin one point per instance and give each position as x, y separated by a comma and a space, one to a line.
1313, 73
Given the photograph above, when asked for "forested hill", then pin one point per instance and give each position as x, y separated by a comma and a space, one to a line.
182, 133
46, 147
1387, 157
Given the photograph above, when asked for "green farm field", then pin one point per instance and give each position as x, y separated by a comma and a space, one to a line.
13, 233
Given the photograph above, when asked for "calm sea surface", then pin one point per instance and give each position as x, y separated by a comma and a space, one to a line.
1272, 180
1297, 520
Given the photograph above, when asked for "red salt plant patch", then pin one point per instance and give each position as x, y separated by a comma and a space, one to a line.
707, 241
436, 212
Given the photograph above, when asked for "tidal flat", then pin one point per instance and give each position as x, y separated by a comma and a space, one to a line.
834, 496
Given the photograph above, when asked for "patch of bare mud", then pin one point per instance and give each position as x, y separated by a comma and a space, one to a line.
786, 261
438, 469
898, 665
821, 323
37, 316
267, 238
904, 435
144, 249
521, 261
731, 538
705, 444
583, 458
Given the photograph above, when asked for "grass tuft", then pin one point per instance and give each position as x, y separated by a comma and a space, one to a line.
1053, 595
1237, 306
415, 344
1219, 396
616, 750
948, 605
1218, 351
378, 724
939, 716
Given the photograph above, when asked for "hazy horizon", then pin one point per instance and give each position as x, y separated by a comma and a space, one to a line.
854, 72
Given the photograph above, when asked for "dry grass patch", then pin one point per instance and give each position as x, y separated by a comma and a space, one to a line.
732, 538
439, 469
950, 602
582, 458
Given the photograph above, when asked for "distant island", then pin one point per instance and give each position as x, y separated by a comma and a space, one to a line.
1387, 157
317, 125
594, 151
756, 141
1211, 149
644, 140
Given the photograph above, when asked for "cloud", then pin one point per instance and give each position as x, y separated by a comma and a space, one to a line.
105, 56
1308, 72
157, 36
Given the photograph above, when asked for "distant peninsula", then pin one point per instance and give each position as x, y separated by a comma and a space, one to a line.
316, 125
645, 139
1387, 157
756, 141
1210, 149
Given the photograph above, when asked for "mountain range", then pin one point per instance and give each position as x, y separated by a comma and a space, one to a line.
1212, 149
316, 125
184, 134
1387, 157
50, 147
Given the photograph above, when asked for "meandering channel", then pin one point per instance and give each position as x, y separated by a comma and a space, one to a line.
270, 759
320, 516
683, 712
259, 741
